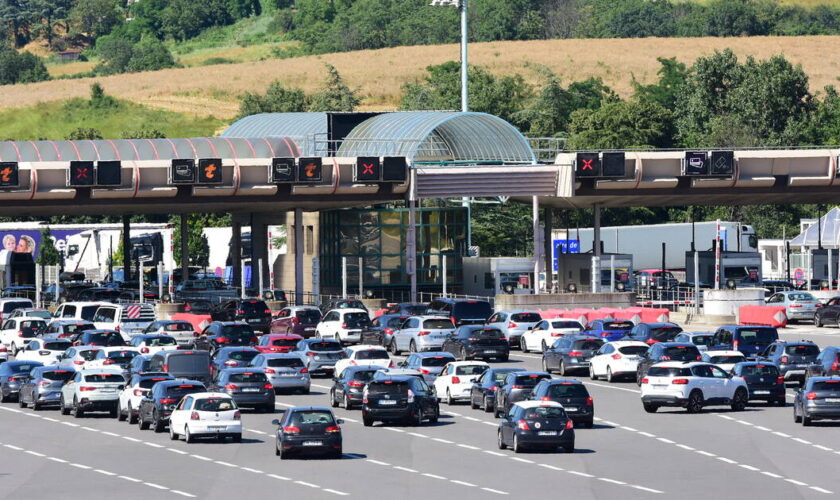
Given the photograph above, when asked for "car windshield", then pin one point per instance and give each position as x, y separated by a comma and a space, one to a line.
160, 341
758, 370
486, 333
105, 378
438, 324
108, 339
372, 354
147, 383
39, 314
437, 361
472, 309
633, 350
247, 377
567, 325
727, 359
88, 312
802, 350
470, 369
661, 371
545, 412
758, 335
312, 418
529, 380
285, 362
237, 331
188, 363
324, 346
618, 325
680, 353
56, 346
58, 375
567, 390
664, 333
242, 355
308, 316
349, 304
27, 367
526, 317
587, 345
215, 404
177, 327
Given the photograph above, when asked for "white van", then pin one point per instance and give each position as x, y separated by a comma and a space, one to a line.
128, 319
10, 304
77, 310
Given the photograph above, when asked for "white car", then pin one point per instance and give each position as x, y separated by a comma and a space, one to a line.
46, 351
32, 313
83, 311
154, 343
344, 325
692, 386
17, 332
616, 359
8, 306
118, 357
138, 387
205, 414
92, 390
371, 355
724, 359
78, 357
546, 332
457, 378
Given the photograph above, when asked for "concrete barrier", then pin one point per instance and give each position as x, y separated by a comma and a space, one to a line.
726, 303
774, 316
568, 301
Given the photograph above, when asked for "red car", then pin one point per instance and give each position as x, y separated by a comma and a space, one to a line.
277, 343
297, 320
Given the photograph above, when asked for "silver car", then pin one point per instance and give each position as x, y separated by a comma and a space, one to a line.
700, 339
421, 333
43, 387
798, 305
514, 323
92, 390
284, 371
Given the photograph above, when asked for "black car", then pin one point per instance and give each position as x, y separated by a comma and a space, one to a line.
516, 387
399, 398
461, 311
43, 387
139, 364
220, 334
102, 338
792, 358
232, 357
183, 364
477, 341
308, 430
764, 381
253, 312
665, 351
827, 364
829, 314
651, 333
818, 399
159, 402
536, 424
572, 394
247, 387
483, 391
347, 389
13, 374
571, 353
381, 329
341, 304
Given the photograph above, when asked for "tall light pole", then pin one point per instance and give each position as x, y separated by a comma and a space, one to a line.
462, 8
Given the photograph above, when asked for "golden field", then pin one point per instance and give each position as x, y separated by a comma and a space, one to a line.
379, 74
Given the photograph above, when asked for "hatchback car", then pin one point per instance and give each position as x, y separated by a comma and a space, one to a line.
138, 386
77, 357
514, 323
477, 341
483, 390
359, 355
763, 381
421, 333
17, 332
251, 311
726, 360
570, 393
347, 389
47, 351
536, 424
344, 325
457, 378
103, 338
232, 357
43, 387
320, 355
792, 358
798, 305
285, 371
220, 334
516, 387
399, 399
651, 333
274, 342
247, 386
182, 331
206, 414
309, 429
609, 329
158, 403
546, 332
818, 399
92, 390
571, 353
13, 374
827, 364
381, 329
296, 320
429, 364
615, 359
153, 343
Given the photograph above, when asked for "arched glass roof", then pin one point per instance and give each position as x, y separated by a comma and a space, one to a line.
148, 149
438, 136
297, 125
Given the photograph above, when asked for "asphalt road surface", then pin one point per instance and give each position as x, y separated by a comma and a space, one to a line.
718, 453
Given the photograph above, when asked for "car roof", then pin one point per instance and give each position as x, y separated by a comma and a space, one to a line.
309, 408
624, 343
275, 355
366, 347
365, 368
698, 334
469, 363
245, 369
531, 372
68, 321
427, 316
724, 352
676, 344
287, 336
221, 395
562, 381
180, 381
659, 324
171, 321
537, 404
394, 378
681, 364
314, 340
738, 327
229, 323
112, 348
234, 348
154, 375
97, 371
517, 311
435, 354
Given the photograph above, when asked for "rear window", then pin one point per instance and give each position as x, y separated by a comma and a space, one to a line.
826, 385
470, 370
567, 390
526, 317
240, 331
438, 324
436, 361
487, 333
529, 380
285, 362
284, 342
78, 327
350, 304
727, 359
147, 383
32, 324
160, 341
308, 316
312, 418
178, 391
177, 327
701, 340
633, 350
388, 387
665, 333
801, 296
681, 353
324, 346
472, 309
619, 325
11, 306
89, 354
372, 354
242, 355
23, 368
356, 320
105, 378
661, 371
122, 355
364, 375
499, 376
56, 346
753, 370
110, 339
215, 404
567, 324
189, 363
254, 307
587, 345
757, 335
545, 412
802, 350
247, 377
60, 375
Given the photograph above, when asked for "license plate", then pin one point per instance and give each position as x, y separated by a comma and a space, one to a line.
288, 374
492, 351
251, 389
832, 400
216, 427
253, 320
547, 433
659, 386
312, 443
571, 408
387, 402
762, 392
309, 329
107, 390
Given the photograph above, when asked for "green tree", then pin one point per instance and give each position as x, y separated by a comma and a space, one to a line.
144, 133
197, 245
21, 67
334, 94
672, 78
84, 133
184, 19
115, 52
95, 18
277, 99
240, 9
150, 54
16, 18
619, 125
51, 14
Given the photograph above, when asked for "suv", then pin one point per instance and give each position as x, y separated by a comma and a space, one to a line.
572, 394
254, 312
818, 399
421, 333
298, 320
763, 381
571, 353
792, 358
514, 323
700, 339
9, 305
692, 386
101, 338
516, 387
651, 333
829, 314
666, 351
461, 311
92, 390
407, 308
159, 402
182, 364
344, 325
77, 310
399, 398
827, 364
220, 334
750, 340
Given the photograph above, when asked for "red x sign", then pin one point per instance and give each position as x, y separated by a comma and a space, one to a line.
587, 165
367, 168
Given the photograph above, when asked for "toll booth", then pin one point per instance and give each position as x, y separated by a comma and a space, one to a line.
744, 268
616, 271
16, 269
489, 276
820, 263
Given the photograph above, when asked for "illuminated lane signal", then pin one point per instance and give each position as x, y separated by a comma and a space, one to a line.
587, 165
9, 177
210, 171
182, 171
368, 169
309, 170
81, 173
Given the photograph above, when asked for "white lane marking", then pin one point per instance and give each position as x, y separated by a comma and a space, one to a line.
463, 483
705, 453
132, 479
440, 440
434, 476
282, 478
523, 460
794, 481
56, 459
626, 428
70, 424
473, 419
578, 473
110, 434
155, 485
744, 422
771, 474
180, 452
377, 462
469, 447
782, 434
761, 428
258, 432
803, 441
491, 490
748, 467
406, 469
201, 457
650, 490
685, 447
351, 420
490, 423
51, 419
226, 464
105, 472
304, 483
824, 448
454, 414
394, 429
321, 386
336, 492
89, 428
727, 417
79, 466
183, 493
614, 387
418, 434
610, 423
664, 440
133, 440
821, 490
153, 445
35, 453
727, 460
255, 471
17, 448
559, 469
647, 434
608, 480
490, 452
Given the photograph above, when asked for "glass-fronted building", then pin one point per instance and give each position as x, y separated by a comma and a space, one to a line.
377, 236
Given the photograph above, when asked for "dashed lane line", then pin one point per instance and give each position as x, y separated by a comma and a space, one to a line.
782, 435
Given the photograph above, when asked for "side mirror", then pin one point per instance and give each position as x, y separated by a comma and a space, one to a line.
275, 422
339, 421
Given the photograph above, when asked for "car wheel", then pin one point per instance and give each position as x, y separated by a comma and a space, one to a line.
20, 401
345, 402
276, 448
806, 420
569, 449
158, 424
63, 407
392, 346
500, 441
172, 434
14, 350
818, 321
187, 436
418, 417
3, 397
504, 359
367, 421
516, 447
609, 375
317, 335
337, 338
487, 408
142, 424
114, 413
305, 390
523, 346
36, 406
412, 347
695, 402
473, 404
782, 402
237, 438
739, 401
132, 418
121, 415
796, 418
562, 369
333, 401
650, 408
592, 375
639, 378
496, 412
77, 412
545, 366
449, 400
435, 416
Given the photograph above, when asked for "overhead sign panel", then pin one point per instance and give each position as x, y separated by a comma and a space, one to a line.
182, 171
368, 169
723, 163
696, 163
588, 165
282, 170
80, 174
210, 171
394, 169
309, 170
612, 164
9, 177
108, 173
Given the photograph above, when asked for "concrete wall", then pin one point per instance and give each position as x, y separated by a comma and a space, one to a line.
565, 301
723, 305
284, 264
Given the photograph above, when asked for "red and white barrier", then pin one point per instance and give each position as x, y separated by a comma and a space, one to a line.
198, 321
774, 316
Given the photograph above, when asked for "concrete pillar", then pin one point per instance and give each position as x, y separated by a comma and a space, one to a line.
411, 238
236, 251
299, 278
548, 247
126, 221
259, 247
596, 248
535, 212
185, 249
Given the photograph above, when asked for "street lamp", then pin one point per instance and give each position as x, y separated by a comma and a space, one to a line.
462, 8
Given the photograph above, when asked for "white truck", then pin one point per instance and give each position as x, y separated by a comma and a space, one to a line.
645, 242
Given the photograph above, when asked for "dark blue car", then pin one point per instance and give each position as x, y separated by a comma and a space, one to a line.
749, 339
609, 329
651, 333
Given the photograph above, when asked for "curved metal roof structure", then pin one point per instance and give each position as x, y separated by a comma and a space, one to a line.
148, 149
297, 125
438, 136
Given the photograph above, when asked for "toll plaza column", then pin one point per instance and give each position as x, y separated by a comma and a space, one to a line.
185, 249
596, 249
126, 253
259, 251
535, 205
548, 251
298, 223
236, 250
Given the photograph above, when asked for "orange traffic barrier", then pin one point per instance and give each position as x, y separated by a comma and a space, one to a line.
774, 316
198, 321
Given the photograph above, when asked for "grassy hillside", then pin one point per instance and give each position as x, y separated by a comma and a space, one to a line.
379, 74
